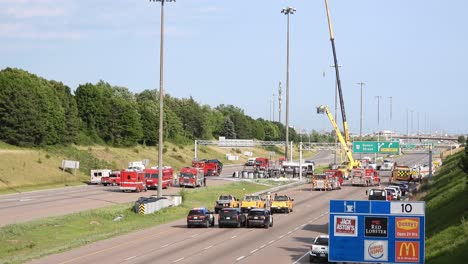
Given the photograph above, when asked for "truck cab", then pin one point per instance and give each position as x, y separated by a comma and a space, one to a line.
282, 203
191, 177
226, 201
252, 202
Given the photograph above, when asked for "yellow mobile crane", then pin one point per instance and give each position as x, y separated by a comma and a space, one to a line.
338, 81
323, 109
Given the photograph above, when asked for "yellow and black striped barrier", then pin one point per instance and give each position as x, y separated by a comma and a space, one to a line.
141, 209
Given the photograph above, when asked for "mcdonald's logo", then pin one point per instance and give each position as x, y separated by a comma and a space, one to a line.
407, 251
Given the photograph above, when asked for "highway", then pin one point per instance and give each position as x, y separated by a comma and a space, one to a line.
22, 207
287, 241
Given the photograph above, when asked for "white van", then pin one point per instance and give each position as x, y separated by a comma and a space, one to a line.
96, 175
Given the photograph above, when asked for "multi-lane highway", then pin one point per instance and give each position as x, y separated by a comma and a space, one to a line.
27, 206
287, 241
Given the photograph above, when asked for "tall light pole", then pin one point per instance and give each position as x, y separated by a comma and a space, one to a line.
407, 124
279, 102
360, 119
161, 98
273, 107
391, 132
287, 11
378, 116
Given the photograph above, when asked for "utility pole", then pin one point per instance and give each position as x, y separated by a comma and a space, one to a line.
287, 11
407, 123
279, 102
418, 123
412, 111
391, 132
360, 119
273, 108
378, 122
161, 98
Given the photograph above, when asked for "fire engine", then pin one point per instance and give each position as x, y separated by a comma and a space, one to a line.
365, 177
112, 179
190, 176
132, 180
261, 164
210, 167
338, 174
151, 177
328, 181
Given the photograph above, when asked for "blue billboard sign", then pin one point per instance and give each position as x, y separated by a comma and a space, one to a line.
376, 231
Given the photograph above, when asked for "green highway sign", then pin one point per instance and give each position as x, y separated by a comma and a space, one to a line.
376, 147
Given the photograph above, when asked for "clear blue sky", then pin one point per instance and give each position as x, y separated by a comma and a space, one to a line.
234, 52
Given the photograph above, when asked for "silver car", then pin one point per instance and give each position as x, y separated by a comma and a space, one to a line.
319, 249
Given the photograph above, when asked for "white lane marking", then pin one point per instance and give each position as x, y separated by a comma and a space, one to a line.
271, 242
177, 260
262, 246
208, 247
163, 246
303, 225
129, 258
239, 258
297, 261
25, 200
195, 235
289, 232
233, 236
297, 228
280, 237
253, 251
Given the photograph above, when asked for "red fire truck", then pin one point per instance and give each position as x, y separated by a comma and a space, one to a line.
261, 164
191, 177
210, 167
112, 179
151, 177
335, 174
364, 177
132, 180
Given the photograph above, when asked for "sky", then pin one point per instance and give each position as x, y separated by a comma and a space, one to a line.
234, 52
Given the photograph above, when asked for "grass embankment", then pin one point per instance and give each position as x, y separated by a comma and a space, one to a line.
446, 199
25, 241
27, 169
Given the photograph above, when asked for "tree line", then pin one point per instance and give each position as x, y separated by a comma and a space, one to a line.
37, 112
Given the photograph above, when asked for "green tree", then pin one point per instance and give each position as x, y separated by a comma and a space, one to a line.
30, 110
71, 119
229, 130
461, 139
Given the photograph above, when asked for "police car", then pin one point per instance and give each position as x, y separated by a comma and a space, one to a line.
200, 216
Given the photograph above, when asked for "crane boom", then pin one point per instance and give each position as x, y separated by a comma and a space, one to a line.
337, 72
352, 163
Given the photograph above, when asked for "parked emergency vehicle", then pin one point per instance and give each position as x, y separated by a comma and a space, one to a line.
112, 179
132, 180
210, 167
261, 164
364, 177
402, 173
191, 177
338, 174
96, 175
151, 177
328, 181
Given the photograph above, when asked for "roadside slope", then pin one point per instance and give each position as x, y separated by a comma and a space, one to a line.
446, 199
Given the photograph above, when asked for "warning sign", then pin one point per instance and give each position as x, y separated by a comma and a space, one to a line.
407, 251
346, 225
406, 227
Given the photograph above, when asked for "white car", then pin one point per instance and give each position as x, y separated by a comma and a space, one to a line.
398, 189
319, 249
387, 165
394, 191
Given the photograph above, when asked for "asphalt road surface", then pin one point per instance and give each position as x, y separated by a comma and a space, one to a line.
21, 207
288, 241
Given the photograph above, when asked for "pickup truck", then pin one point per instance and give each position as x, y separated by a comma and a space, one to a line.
226, 201
282, 203
252, 202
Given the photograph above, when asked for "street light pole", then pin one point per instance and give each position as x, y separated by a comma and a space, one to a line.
161, 98
360, 120
378, 119
279, 102
287, 11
